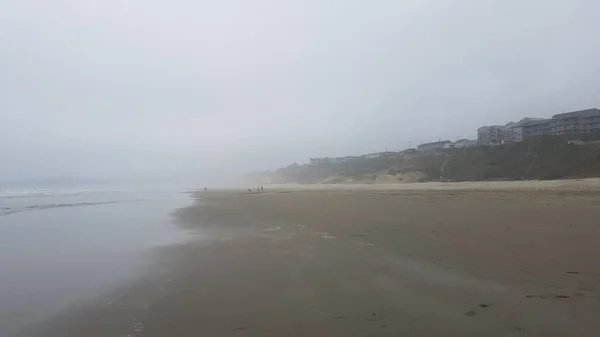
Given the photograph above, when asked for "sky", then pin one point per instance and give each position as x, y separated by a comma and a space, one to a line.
149, 88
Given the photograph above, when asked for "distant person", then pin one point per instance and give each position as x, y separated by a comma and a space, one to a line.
261, 188
205, 189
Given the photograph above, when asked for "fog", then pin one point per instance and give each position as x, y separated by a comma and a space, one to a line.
208, 89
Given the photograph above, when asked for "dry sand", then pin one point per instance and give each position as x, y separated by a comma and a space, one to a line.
473, 259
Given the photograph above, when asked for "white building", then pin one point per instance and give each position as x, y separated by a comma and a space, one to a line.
433, 146
460, 144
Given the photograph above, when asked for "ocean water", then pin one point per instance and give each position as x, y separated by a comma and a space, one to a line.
61, 247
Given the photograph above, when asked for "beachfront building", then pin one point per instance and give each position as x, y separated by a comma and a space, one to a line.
379, 155
433, 146
460, 144
317, 161
492, 134
371, 155
568, 123
516, 131
576, 122
535, 128
346, 159
336, 160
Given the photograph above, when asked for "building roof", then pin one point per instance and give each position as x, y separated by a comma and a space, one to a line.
526, 121
534, 122
580, 113
437, 143
491, 127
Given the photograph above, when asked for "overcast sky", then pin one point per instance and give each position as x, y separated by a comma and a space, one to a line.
125, 88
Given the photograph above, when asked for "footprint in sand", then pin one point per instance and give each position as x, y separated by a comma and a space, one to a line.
473, 312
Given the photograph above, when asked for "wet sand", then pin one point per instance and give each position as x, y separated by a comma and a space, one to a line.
369, 261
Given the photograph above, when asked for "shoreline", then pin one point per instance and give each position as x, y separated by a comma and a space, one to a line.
58, 258
519, 185
371, 260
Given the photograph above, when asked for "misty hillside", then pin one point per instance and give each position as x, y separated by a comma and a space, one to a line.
540, 158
